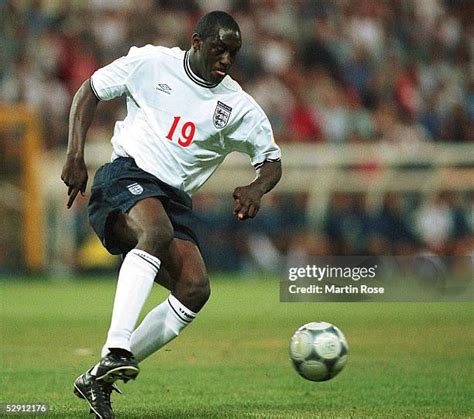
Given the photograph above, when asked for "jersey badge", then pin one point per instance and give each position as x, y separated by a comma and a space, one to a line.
163, 87
135, 188
221, 114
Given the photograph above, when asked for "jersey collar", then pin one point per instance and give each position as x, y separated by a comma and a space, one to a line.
196, 79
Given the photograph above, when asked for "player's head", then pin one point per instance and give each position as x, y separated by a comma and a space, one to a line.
214, 45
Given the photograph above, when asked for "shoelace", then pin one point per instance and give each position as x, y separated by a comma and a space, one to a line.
105, 390
115, 388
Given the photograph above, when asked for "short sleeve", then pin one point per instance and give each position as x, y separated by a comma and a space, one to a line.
261, 145
111, 81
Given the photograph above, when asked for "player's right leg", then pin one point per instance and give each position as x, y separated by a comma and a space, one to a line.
146, 226
125, 202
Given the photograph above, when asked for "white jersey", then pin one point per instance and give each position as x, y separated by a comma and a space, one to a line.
180, 127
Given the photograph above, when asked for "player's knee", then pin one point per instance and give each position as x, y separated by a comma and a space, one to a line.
196, 293
203, 293
156, 239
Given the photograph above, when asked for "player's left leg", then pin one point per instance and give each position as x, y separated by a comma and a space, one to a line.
190, 290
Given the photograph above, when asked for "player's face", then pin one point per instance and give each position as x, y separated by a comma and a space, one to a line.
216, 54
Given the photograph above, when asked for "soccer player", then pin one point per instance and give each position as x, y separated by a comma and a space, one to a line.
184, 115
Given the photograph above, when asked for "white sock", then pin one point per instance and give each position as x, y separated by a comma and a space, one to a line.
160, 326
135, 281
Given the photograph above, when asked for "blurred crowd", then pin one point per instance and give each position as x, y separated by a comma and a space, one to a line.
352, 225
324, 70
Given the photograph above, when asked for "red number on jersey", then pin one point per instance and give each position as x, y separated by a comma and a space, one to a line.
187, 131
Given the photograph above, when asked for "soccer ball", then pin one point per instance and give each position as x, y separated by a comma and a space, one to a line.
318, 351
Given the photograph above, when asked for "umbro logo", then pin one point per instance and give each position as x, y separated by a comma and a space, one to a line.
163, 87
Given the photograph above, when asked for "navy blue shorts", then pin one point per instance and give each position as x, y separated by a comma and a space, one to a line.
119, 185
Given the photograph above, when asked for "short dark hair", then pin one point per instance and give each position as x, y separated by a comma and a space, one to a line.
208, 24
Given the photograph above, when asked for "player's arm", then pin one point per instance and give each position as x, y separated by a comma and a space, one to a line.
74, 173
248, 198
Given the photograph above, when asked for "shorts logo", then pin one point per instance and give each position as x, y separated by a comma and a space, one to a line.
135, 189
221, 115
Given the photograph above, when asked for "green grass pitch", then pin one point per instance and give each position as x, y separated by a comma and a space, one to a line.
405, 360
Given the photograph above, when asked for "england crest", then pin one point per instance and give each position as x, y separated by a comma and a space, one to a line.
221, 115
135, 188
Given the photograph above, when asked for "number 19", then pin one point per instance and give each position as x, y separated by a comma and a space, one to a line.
187, 132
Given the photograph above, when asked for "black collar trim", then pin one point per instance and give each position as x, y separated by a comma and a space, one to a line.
193, 77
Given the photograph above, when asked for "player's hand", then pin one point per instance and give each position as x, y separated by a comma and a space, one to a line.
75, 176
247, 201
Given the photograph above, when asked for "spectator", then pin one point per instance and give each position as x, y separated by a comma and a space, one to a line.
435, 224
393, 226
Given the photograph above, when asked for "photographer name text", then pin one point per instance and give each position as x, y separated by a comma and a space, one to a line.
334, 289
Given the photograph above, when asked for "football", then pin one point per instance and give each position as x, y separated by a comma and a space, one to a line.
318, 351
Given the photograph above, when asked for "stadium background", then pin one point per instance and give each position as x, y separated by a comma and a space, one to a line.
354, 90
333, 77
373, 105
